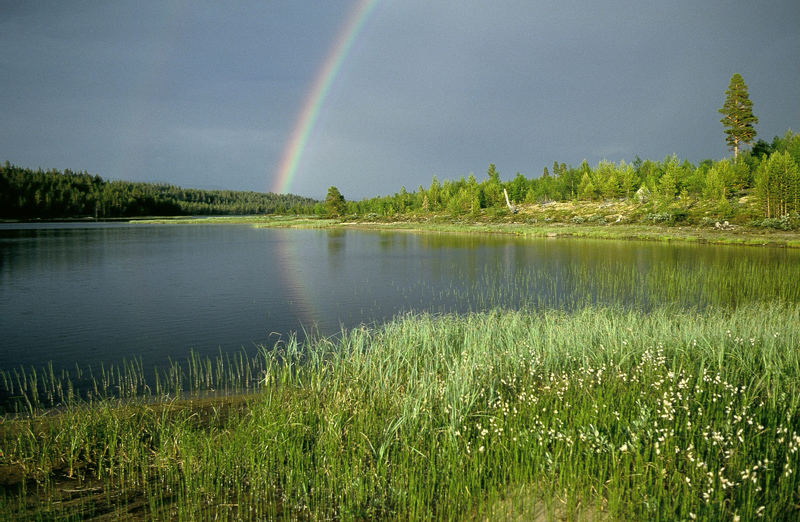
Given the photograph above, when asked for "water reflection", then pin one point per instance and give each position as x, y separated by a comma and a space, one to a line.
84, 294
336, 247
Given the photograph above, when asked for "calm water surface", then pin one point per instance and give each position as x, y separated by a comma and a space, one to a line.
91, 293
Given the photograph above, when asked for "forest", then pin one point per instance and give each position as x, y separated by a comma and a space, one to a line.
52, 194
758, 187
761, 186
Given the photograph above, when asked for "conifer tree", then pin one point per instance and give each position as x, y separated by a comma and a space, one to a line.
778, 185
335, 203
716, 188
739, 118
629, 178
493, 188
434, 194
587, 189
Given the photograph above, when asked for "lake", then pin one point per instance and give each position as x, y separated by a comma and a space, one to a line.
78, 293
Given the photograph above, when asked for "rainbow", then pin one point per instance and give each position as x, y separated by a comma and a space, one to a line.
319, 91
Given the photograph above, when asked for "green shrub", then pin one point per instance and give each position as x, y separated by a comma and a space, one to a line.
667, 218
787, 222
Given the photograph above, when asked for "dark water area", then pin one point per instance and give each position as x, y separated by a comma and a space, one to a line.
87, 294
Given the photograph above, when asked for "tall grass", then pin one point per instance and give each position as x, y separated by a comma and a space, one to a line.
28, 390
595, 412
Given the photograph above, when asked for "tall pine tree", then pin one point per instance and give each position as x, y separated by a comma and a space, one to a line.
739, 118
335, 203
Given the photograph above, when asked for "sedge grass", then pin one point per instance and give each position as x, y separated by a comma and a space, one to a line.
598, 413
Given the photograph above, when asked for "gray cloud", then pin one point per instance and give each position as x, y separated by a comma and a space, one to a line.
207, 95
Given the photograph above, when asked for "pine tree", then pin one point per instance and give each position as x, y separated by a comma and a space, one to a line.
335, 203
493, 188
739, 118
629, 178
778, 185
716, 188
587, 189
669, 184
434, 193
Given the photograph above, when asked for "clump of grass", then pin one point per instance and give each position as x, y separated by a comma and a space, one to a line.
615, 413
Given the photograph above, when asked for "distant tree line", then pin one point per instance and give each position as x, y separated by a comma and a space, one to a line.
29, 194
768, 172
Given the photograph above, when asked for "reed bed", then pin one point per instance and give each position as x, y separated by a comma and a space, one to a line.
29, 391
603, 277
594, 413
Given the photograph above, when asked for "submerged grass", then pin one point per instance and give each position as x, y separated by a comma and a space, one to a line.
576, 278
596, 413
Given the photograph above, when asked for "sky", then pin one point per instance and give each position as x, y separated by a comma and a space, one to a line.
216, 95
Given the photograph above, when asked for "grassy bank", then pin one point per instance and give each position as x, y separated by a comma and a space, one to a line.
740, 236
518, 415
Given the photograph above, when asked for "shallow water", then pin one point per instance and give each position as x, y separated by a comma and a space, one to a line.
90, 293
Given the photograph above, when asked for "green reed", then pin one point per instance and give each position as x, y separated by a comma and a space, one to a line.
596, 413
603, 277
28, 390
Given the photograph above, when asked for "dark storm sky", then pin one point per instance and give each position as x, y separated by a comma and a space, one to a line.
206, 94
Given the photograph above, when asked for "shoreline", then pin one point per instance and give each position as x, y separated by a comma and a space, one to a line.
482, 398
740, 235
